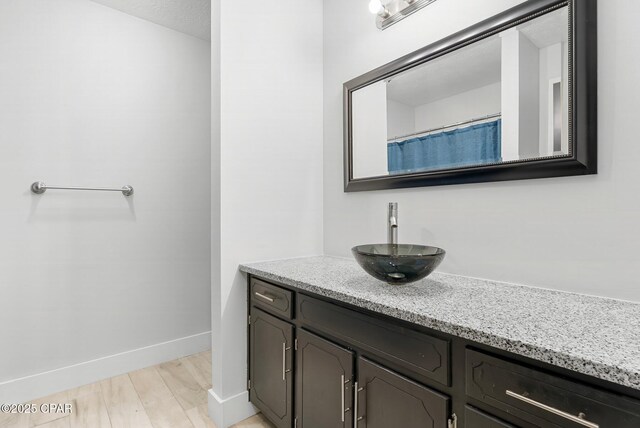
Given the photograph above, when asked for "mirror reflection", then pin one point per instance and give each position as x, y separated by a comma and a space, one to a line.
502, 99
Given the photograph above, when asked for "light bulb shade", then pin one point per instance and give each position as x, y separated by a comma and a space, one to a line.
376, 7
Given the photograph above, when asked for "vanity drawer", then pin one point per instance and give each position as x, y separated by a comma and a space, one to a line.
272, 298
474, 418
544, 399
425, 356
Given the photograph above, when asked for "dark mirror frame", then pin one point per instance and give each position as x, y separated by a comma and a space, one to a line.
583, 102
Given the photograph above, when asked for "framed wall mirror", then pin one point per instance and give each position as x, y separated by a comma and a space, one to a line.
513, 97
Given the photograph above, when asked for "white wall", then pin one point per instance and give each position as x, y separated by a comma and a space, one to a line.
553, 66
577, 234
91, 96
400, 119
468, 105
529, 96
520, 96
510, 94
370, 131
550, 69
270, 165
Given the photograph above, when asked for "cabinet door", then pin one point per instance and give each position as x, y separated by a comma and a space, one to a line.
271, 353
324, 391
386, 399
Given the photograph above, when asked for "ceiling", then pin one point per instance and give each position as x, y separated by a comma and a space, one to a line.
192, 17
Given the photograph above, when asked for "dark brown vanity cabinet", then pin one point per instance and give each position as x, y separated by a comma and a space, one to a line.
337, 383
271, 342
318, 363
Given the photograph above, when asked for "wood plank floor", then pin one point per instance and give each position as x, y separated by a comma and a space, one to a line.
169, 395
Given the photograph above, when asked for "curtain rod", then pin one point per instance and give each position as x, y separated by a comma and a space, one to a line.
477, 119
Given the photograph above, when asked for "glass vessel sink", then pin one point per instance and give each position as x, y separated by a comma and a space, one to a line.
398, 263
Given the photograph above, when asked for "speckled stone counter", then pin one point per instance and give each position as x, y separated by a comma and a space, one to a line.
590, 335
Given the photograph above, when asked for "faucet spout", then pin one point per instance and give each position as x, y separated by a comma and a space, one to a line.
392, 223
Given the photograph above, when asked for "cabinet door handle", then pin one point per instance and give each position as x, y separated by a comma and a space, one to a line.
342, 396
284, 361
356, 419
262, 296
355, 405
577, 419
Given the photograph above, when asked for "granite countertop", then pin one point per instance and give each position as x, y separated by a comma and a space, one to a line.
595, 336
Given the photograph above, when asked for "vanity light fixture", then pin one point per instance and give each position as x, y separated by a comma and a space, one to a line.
388, 12
377, 8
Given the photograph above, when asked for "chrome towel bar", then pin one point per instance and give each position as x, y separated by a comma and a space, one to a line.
39, 188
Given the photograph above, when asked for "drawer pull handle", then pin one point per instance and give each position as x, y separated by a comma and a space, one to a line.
262, 296
577, 419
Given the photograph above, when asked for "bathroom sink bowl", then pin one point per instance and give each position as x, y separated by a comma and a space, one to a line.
398, 263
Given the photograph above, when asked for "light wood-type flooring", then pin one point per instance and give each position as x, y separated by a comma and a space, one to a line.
169, 395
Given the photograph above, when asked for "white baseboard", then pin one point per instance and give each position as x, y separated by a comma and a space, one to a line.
43, 384
230, 411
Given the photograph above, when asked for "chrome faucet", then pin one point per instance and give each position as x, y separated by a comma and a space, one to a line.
392, 223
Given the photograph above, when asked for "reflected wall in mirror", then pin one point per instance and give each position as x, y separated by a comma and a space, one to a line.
494, 102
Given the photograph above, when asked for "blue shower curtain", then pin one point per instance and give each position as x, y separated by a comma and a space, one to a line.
473, 145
